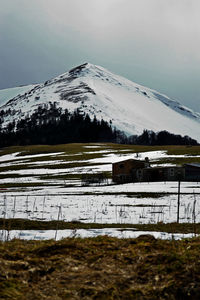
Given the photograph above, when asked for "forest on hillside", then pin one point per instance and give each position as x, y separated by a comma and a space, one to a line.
51, 125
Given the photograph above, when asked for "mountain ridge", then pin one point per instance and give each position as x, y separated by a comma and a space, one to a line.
94, 90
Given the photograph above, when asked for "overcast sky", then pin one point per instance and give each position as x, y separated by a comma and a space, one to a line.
155, 43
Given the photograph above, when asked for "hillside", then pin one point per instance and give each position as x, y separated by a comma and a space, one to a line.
94, 90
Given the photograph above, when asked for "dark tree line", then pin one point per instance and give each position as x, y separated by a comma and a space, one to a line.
50, 125
161, 138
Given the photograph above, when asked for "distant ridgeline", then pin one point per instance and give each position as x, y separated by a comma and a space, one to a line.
164, 137
53, 126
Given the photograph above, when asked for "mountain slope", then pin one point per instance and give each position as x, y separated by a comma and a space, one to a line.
7, 94
93, 89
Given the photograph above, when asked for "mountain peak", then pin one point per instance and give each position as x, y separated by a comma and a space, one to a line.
78, 68
85, 69
98, 92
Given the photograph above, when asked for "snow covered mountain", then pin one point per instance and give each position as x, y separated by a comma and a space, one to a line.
93, 89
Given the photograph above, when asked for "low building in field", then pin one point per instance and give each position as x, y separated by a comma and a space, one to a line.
129, 170
172, 173
192, 172
133, 170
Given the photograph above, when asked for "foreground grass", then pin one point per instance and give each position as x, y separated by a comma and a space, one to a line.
25, 224
100, 268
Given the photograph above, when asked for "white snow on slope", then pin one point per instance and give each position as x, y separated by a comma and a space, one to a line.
96, 91
7, 94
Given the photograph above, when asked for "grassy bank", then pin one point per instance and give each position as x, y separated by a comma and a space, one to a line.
100, 268
24, 224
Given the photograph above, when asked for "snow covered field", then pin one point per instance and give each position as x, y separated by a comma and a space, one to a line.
60, 234
104, 204
66, 199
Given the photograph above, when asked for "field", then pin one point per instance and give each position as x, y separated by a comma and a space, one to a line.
43, 183
64, 239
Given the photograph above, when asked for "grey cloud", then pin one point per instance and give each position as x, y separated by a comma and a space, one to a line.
153, 42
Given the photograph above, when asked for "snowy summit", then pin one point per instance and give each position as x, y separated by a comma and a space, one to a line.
98, 92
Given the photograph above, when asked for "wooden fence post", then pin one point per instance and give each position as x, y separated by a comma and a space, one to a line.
178, 205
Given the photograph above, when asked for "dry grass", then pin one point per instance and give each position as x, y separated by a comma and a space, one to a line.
100, 268
25, 224
80, 147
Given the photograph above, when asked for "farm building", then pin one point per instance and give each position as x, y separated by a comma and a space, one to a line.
192, 172
163, 174
133, 170
129, 170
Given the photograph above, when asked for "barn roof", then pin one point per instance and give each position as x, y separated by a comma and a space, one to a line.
129, 159
196, 165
